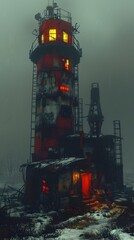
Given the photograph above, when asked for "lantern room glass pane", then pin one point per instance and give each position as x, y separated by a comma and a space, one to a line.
65, 37
52, 34
42, 38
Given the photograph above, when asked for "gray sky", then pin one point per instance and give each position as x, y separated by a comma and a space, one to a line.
107, 39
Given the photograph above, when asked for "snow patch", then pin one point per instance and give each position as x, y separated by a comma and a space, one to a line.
121, 236
69, 234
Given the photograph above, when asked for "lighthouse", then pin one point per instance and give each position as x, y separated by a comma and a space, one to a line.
67, 166
55, 54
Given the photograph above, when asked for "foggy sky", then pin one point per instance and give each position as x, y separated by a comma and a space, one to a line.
107, 40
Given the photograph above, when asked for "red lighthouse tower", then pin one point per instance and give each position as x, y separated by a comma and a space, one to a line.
55, 99
67, 166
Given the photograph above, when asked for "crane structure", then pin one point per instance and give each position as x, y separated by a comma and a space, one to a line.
95, 117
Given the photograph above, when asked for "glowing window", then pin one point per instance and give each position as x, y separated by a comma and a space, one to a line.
44, 186
67, 64
65, 37
42, 38
64, 88
52, 34
76, 177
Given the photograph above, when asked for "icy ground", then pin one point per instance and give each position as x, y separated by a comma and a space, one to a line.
88, 226
27, 224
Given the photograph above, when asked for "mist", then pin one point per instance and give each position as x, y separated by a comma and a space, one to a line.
107, 41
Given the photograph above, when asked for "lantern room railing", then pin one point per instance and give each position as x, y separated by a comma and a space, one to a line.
52, 12
75, 43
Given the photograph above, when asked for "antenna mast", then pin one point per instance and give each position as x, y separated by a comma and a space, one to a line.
52, 2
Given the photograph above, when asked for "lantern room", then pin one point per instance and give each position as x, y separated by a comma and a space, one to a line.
55, 30
56, 35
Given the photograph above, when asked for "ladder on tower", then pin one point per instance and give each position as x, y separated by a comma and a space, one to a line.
33, 111
76, 94
118, 142
118, 155
80, 114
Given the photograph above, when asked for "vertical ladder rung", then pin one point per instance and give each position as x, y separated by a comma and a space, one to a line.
118, 143
33, 111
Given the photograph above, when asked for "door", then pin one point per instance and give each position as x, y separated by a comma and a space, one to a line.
86, 179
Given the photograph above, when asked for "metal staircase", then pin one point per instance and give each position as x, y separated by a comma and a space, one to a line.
33, 111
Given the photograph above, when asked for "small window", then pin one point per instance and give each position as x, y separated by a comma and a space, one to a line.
76, 177
64, 88
42, 38
67, 64
65, 37
52, 34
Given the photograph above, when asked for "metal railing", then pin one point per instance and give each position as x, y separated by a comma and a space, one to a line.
57, 13
75, 43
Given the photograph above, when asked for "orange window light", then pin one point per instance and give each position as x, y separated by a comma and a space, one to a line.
76, 177
42, 38
64, 88
65, 37
67, 64
52, 34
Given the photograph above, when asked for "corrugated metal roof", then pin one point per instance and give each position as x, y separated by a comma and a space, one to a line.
58, 163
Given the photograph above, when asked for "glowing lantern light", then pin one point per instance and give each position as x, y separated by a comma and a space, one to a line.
42, 38
65, 37
52, 34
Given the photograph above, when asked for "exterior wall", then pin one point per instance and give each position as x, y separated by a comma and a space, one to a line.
65, 187
56, 88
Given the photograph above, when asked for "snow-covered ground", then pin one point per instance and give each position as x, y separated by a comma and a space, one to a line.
89, 226
99, 225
